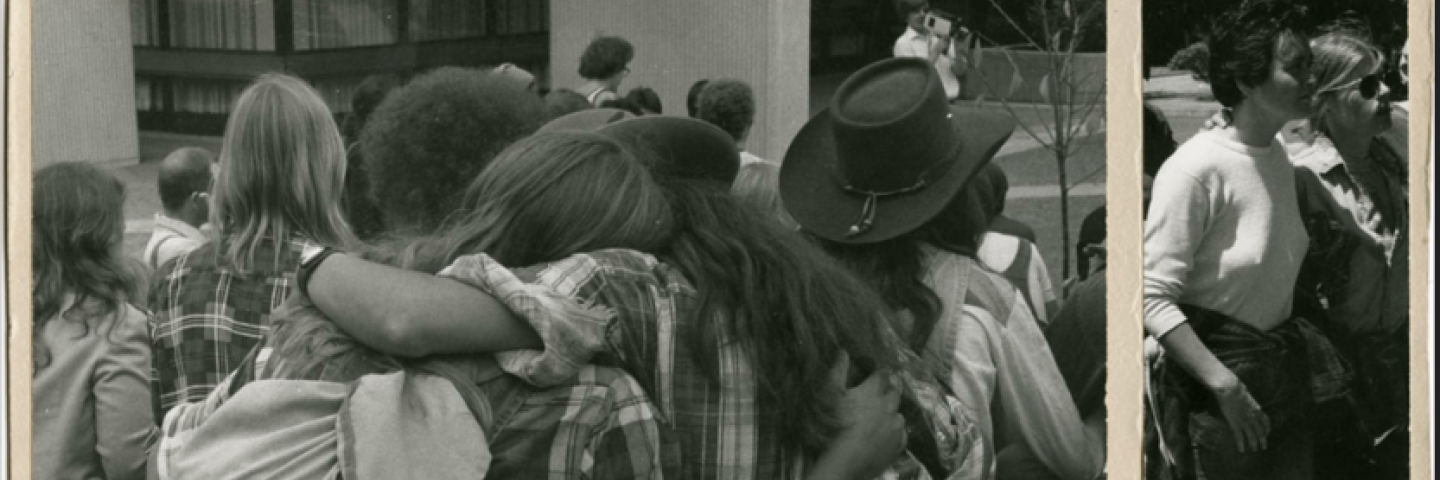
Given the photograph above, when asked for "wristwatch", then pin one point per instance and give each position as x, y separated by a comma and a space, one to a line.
310, 258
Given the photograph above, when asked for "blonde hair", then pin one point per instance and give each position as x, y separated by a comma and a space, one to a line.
758, 185
282, 170
1335, 64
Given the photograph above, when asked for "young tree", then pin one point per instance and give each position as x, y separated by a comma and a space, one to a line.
1059, 29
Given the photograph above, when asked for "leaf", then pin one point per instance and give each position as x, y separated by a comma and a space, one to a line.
1065, 5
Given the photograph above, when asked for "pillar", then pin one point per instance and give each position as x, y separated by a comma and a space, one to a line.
84, 83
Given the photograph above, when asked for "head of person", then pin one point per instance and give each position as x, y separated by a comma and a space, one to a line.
607, 59
282, 171
549, 196
184, 180
994, 186
429, 139
692, 97
368, 95
1259, 60
647, 99
758, 185
1351, 97
888, 172
730, 105
792, 308
562, 102
913, 13
76, 231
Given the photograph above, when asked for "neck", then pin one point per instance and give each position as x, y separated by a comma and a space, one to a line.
1352, 148
187, 217
1253, 128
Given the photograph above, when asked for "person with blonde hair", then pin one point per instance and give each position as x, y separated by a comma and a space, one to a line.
91, 352
280, 181
1355, 280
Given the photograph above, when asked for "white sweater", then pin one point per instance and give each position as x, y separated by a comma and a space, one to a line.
1224, 232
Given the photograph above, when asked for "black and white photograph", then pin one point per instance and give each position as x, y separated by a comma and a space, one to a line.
1276, 239
513, 239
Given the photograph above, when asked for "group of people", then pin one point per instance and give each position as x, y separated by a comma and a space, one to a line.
463, 282
1276, 264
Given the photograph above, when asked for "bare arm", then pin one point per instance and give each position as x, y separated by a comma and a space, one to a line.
408, 313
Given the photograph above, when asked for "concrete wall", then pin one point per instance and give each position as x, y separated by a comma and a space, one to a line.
84, 90
677, 42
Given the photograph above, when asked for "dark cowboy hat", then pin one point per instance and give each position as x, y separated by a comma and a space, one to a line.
677, 147
887, 155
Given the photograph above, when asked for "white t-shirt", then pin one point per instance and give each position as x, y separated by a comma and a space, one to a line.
913, 44
1224, 232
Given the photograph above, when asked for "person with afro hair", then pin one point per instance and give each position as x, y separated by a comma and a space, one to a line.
605, 63
428, 139
730, 105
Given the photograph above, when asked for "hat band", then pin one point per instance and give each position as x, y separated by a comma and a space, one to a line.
867, 211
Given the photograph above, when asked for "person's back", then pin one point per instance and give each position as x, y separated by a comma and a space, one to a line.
209, 307
91, 416
91, 349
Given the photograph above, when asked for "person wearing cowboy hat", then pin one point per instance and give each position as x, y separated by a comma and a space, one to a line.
751, 366
880, 180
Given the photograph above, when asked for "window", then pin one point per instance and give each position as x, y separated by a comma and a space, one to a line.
223, 24
322, 24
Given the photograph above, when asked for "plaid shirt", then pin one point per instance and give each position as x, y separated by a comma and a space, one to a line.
577, 305
205, 317
597, 425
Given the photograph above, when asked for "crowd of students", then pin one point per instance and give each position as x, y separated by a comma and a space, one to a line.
471, 279
1276, 266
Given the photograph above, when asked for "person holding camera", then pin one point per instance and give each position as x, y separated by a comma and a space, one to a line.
931, 36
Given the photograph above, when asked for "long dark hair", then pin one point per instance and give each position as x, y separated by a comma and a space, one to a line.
789, 307
896, 267
77, 227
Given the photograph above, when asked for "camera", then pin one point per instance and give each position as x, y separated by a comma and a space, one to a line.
943, 24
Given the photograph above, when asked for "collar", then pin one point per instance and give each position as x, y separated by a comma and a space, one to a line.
179, 227
1320, 155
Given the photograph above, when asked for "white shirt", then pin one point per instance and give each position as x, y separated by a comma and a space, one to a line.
170, 239
747, 158
914, 44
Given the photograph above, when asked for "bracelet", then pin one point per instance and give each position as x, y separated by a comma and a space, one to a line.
308, 267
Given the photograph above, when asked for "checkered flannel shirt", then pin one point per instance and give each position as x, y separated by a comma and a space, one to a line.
575, 304
205, 317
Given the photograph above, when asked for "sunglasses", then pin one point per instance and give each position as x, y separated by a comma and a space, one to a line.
1368, 86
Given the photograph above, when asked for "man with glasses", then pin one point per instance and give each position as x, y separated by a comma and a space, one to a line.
184, 182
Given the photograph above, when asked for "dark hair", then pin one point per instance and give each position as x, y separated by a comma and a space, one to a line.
1245, 42
896, 267
549, 196
183, 173
646, 98
792, 309
562, 102
996, 186
903, 8
77, 224
430, 138
1158, 140
605, 57
368, 95
728, 104
692, 98
623, 104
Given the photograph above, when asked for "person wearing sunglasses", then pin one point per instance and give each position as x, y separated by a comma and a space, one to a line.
1354, 282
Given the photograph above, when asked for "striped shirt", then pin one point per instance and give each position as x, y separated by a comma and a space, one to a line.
625, 308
